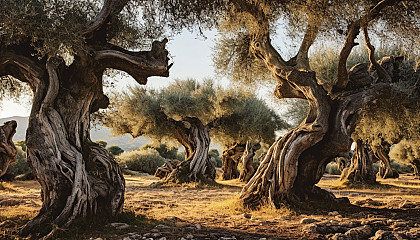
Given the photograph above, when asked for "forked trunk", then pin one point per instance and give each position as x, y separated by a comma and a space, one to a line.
78, 178
247, 161
361, 169
342, 162
385, 169
7, 147
195, 137
230, 159
297, 161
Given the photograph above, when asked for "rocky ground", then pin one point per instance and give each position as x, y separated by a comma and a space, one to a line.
390, 211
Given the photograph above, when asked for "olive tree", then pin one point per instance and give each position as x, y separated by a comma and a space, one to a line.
189, 113
296, 161
7, 147
61, 50
250, 124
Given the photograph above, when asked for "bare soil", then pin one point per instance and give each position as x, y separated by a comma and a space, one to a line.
193, 211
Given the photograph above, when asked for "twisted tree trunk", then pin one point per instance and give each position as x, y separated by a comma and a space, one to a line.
247, 161
78, 178
385, 169
361, 169
7, 147
342, 162
195, 138
230, 159
416, 167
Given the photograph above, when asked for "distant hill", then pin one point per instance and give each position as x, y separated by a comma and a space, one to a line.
126, 142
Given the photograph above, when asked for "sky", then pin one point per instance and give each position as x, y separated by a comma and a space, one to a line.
191, 55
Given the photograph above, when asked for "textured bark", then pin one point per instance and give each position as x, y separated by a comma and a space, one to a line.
7, 147
361, 169
416, 167
247, 161
296, 161
78, 179
166, 169
342, 162
230, 159
195, 138
385, 169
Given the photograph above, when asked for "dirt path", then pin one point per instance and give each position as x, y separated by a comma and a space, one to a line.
212, 212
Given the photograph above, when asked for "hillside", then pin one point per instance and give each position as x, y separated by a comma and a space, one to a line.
126, 142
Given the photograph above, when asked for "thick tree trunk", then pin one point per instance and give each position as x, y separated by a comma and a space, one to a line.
195, 137
361, 169
7, 147
78, 178
296, 162
230, 159
247, 161
385, 169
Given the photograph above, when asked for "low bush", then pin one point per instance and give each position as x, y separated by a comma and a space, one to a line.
142, 160
332, 168
20, 166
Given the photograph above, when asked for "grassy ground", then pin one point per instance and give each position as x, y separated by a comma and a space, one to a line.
215, 208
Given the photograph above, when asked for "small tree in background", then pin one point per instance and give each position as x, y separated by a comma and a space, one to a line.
115, 150
185, 111
163, 149
250, 123
101, 143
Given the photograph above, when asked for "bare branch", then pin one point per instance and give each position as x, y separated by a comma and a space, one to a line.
110, 7
342, 75
21, 68
302, 59
140, 65
382, 73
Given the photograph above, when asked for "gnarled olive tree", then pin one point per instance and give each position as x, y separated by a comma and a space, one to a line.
61, 49
7, 147
296, 161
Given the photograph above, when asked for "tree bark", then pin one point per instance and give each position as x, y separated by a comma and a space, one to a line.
342, 162
7, 147
247, 160
416, 167
361, 169
385, 169
230, 159
195, 138
296, 162
78, 178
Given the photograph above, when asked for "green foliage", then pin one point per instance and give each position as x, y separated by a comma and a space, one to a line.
163, 150
215, 157
20, 166
143, 160
101, 143
332, 168
22, 144
235, 115
115, 150
406, 151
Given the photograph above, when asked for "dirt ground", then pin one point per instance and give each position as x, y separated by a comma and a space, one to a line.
388, 211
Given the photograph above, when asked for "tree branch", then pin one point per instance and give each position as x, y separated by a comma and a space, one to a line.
21, 68
285, 90
342, 74
302, 59
140, 65
382, 73
109, 8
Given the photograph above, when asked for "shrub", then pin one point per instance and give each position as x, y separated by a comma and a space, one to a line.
20, 166
115, 150
332, 168
215, 157
143, 160
164, 150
